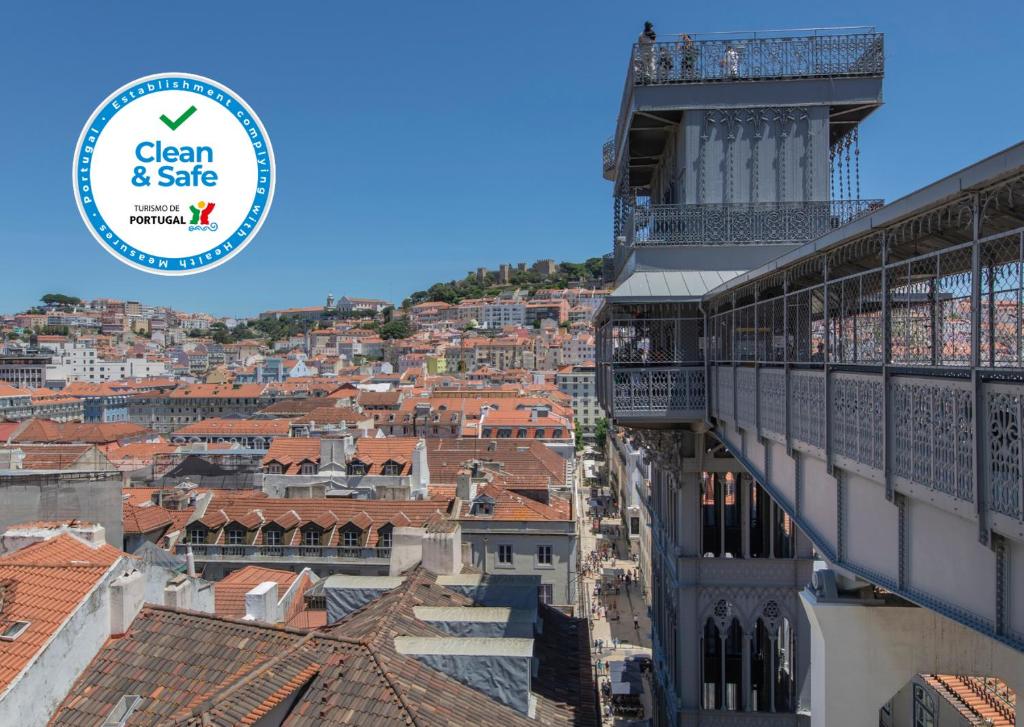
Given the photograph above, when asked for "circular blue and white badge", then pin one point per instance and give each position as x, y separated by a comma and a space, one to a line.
174, 174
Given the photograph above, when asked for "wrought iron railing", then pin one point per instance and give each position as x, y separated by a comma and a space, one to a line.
663, 391
740, 223
213, 552
747, 59
608, 159
814, 54
651, 366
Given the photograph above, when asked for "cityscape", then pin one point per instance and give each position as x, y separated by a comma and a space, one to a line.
756, 460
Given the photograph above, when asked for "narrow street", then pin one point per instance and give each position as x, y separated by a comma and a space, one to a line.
619, 623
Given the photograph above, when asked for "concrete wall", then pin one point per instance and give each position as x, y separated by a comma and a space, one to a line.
36, 693
25, 498
862, 655
485, 537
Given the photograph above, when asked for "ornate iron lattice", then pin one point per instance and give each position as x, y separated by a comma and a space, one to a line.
725, 392
1005, 466
746, 397
807, 403
739, 223
773, 400
665, 391
856, 418
933, 425
816, 56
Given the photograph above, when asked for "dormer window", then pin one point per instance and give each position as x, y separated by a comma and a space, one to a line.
355, 467
350, 538
235, 536
274, 469
307, 468
482, 506
392, 468
197, 536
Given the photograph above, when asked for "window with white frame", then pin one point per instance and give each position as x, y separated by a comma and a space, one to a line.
350, 538
197, 536
311, 537
307, 468
384, 538
272, 537
505, 554
544, 555
546, 593
236, 536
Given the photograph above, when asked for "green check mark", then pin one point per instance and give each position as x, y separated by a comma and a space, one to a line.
172, 125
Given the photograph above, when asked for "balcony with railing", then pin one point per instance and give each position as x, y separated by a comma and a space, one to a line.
741, 223
651, 366
756, 56
761, 223
821, 53
608, 159
292, 553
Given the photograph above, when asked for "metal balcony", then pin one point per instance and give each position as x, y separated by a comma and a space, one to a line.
820, 54
651, 369
608, 159
836, 53
741, 223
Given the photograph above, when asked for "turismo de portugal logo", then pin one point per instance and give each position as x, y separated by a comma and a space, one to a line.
173, 174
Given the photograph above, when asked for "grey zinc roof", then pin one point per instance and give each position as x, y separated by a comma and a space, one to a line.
671, 285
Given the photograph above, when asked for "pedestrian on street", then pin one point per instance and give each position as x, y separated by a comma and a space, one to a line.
636, 622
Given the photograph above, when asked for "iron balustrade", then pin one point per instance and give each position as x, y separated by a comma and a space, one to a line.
749, 59
652, 365
608, 159
210, 552
740, 223
815, 54
924, 355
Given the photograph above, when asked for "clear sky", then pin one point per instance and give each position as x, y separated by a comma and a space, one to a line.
417, 140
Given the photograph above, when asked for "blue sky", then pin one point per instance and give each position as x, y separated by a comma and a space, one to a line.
415, 141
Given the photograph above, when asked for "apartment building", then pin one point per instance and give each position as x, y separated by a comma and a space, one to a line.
579, 383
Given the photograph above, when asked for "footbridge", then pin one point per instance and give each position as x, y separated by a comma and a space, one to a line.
872, 382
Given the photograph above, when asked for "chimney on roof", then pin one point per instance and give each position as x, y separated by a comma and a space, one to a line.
190, 562
261, 603
178, 592
442, 547
465, 486
18, 536
127, 593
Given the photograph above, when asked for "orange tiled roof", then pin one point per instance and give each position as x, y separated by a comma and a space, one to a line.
46, 430
375, 452
52, 456
139, 520
43, 584
225, 427
291, 452
513, 507
229, 593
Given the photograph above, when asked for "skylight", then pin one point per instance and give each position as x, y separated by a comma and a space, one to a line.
13, 630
